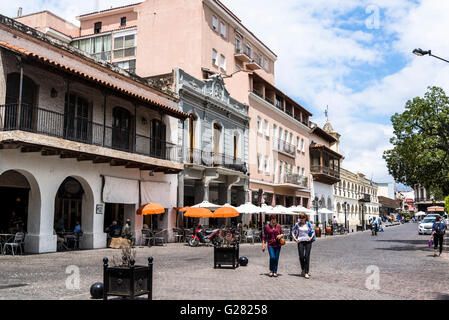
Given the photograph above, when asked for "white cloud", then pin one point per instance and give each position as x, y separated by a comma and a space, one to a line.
316, 53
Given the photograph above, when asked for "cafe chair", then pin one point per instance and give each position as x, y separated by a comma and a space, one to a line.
17, 243
159, 236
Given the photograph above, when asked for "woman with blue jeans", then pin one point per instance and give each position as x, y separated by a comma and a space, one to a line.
272, 235
303, 234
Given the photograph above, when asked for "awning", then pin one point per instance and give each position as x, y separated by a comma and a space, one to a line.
157, 192
118, 190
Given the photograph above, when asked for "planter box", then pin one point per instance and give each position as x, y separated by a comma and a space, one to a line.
128, 281
226, 256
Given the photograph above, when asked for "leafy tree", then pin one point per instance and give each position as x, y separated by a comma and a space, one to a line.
421, 143
446, 204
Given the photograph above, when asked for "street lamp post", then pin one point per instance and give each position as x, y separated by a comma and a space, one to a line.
316, 205
420, 52
344, 207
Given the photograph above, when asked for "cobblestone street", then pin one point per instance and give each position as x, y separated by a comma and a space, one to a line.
339, 265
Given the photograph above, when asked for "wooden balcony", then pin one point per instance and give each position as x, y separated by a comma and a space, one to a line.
325, 174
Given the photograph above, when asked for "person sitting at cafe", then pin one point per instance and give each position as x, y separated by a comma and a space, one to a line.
77, 229
113, 230
59, 226
127, 231
15, 223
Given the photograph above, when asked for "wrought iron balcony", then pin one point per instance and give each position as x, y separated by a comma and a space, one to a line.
284, 147
78, 129
365, 198
213, 159
296, 179
241, 55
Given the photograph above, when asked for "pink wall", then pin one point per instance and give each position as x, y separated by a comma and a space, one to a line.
42, 20
109, 21
260, 144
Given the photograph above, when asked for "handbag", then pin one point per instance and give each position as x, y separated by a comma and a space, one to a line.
311, 231
430, 243
281, 240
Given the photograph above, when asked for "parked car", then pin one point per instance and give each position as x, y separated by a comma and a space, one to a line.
425, 227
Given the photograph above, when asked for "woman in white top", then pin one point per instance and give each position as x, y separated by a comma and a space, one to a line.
300, 233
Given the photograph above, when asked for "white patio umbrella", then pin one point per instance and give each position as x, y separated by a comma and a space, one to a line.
420, 213
248, 208
279, 210
207, 205
326, 212
265, 208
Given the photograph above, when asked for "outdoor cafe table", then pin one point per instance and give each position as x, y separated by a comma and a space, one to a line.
4, 238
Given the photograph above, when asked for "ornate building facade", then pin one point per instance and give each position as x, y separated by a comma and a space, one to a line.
355, 199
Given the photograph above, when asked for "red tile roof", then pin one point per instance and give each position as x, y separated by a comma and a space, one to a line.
175, 112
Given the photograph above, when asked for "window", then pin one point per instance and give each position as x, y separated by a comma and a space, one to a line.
125, 46
279, 103
223, 29
259, 163
214, 57
259, 125
248, 50
99, 47
266, 65
303, 172
298, 146
267, 164
259, 59
267, 128
128, 65
303, 148
215, 23
238, 44
223, 62
122, 21
275, 131
97, 27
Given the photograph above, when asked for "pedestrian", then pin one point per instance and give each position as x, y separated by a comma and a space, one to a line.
438, 230
304, 234
272, 235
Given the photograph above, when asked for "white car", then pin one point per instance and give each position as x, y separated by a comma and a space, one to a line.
425, 227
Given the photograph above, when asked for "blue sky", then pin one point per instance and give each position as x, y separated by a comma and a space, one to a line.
352, 55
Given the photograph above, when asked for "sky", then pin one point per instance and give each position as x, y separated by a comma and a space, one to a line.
354, 56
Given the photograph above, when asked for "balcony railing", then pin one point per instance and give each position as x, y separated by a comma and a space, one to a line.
79, 129
324, 170
213, 159
283, 146
258, 92
365, 198
296, 179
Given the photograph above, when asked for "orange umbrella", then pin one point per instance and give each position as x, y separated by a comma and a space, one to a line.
184, 209
151, 208
198, 213
226, 212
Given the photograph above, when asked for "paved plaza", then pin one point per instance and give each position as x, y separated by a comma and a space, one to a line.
341, 268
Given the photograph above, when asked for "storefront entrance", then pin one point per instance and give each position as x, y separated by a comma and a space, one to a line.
68, 205
14, 193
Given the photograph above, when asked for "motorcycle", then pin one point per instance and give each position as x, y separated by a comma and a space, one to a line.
207, 237
374, 229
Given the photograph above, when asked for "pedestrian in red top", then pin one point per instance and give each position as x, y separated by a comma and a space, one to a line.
272, 235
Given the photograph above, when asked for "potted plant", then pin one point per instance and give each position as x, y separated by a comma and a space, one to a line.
124, 278
329, 228
317, 230
226, 252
